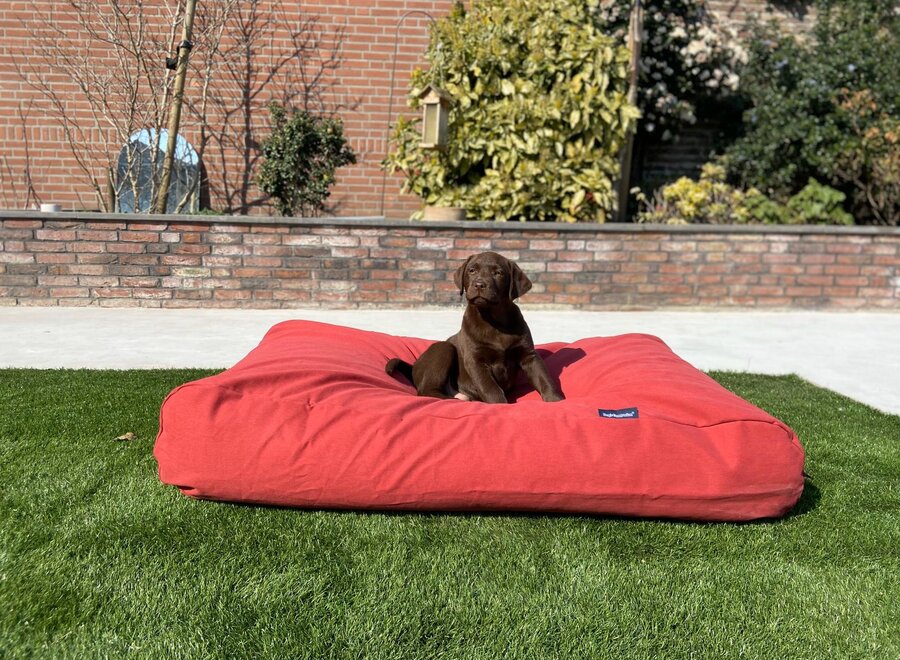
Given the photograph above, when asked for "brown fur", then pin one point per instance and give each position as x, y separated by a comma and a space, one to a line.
482, 360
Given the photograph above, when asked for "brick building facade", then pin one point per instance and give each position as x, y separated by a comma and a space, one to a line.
362, 37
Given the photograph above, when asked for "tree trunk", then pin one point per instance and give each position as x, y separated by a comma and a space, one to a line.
184, 51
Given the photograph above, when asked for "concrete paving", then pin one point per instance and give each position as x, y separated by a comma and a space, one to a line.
856, 354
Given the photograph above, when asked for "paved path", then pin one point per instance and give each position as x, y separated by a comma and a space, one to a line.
856, 354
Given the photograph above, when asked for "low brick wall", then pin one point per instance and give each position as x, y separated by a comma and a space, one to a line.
196, 261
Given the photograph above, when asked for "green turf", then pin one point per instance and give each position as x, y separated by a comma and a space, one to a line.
98, 559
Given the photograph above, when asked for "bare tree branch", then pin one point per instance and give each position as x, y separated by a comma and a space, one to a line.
97, 67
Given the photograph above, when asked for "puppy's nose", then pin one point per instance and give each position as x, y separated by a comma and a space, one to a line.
478, 284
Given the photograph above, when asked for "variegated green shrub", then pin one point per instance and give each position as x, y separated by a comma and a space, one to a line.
538, 118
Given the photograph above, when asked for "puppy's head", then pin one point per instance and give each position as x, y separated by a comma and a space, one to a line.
489, 278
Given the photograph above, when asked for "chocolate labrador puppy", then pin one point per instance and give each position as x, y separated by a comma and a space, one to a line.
481, 361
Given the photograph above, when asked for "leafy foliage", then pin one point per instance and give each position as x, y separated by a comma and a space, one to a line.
817, 204
814, 103
301, 156
870, 157
539, 115
686, 61
713, 201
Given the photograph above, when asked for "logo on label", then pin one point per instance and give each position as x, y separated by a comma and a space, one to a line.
623, 413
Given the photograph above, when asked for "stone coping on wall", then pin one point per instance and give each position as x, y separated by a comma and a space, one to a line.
380, 221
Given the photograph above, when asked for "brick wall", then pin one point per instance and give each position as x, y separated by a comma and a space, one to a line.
794, 15
363, 36
185, 261
359, 88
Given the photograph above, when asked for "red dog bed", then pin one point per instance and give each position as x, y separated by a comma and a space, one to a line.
310, 419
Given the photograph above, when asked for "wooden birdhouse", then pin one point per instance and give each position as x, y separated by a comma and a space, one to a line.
435, 113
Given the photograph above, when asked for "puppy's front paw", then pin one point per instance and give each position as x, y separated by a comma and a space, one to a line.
553, 396
461, 397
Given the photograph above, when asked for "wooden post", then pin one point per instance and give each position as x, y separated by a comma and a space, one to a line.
635, 39
184, 51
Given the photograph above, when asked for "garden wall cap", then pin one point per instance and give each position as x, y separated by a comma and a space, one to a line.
381, 221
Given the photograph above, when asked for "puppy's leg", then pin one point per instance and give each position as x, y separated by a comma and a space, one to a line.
537, 374
432, 371
396, 365
480, 385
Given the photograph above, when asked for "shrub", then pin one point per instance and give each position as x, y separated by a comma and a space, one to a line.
816, 204
539, 114
301, 156
686, 61
799, 125
869, 159
713, 201
757, 208
709, 200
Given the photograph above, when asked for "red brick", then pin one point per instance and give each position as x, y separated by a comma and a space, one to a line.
57, 280
840, 291
96, 235
193, 249
22, 224
844, 248
817, 259
850, 281
468, 245
110, 292
713, 246
815, 280
16, 258
223, 239
803, 291
155, 293
755, 247
55, 234
118, 248
231, 294
54, 258
69, 292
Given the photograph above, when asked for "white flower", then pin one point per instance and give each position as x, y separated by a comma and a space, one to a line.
695, 47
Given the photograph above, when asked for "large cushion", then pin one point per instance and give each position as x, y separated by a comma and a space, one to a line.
310, 419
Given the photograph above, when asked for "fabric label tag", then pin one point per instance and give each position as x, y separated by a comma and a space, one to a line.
623, 413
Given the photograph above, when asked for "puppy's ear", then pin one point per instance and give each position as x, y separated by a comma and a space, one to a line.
459, 277
519, 284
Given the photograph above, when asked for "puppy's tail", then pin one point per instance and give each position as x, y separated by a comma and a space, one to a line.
396, 365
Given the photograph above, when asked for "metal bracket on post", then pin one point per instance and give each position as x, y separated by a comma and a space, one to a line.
172, 62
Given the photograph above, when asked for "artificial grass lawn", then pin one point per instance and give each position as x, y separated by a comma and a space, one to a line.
97, 558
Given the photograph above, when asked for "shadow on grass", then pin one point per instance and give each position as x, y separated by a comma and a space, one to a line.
808, 501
